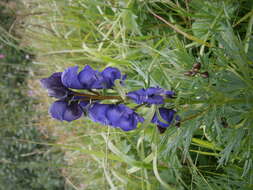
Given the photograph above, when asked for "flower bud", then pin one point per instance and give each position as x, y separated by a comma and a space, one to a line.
161, 129
196, 67
205, 74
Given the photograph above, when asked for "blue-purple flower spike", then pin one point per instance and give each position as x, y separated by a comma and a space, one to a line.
54, 86
73, 104
152, 95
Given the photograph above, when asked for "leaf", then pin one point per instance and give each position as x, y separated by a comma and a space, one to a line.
120, 89
205, 144
129, 20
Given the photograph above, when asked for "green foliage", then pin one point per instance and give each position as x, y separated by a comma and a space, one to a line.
156, 43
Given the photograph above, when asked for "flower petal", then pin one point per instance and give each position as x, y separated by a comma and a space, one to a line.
97, 113
113, 114
53, 81
110, 74
57, 110
169, 93
99, 82
127, 124
138, 96
152, 95
70, 79
90, 78
58, 93
72, 112
84, 104
167, 116
123, 117
156, 99
54, 86
154, 90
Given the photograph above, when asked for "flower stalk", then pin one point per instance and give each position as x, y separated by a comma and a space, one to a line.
97, 97
71, 104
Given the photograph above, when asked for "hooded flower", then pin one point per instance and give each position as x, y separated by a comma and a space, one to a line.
153, 95
54, 86
114, 115
89, 78
110, 74
167, 115
65, 111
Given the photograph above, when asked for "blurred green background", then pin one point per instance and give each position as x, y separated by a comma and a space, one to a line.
25, 162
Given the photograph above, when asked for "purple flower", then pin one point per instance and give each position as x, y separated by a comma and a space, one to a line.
84, 104
2, 56
153, 95
110, 74
167, 115
97, 113
80, 99
114, 115
89, 78
54, 86
64, 111
70, 78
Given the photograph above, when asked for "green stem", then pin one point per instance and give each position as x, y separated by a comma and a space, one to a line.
139, 106
178, 30
97, 97
94, 92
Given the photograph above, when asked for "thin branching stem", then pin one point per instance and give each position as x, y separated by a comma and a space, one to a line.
97, 97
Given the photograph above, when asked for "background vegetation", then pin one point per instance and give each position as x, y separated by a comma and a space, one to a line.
155, 42
25, 161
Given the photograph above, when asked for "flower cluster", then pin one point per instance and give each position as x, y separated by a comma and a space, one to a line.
150, 95
114, 115
72, 104
89, 78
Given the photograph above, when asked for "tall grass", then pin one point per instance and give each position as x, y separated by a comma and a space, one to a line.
156, 43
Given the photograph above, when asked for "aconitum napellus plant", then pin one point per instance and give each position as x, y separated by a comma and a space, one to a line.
83, 93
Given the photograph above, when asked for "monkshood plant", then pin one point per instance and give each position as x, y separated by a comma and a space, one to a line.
83, 93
